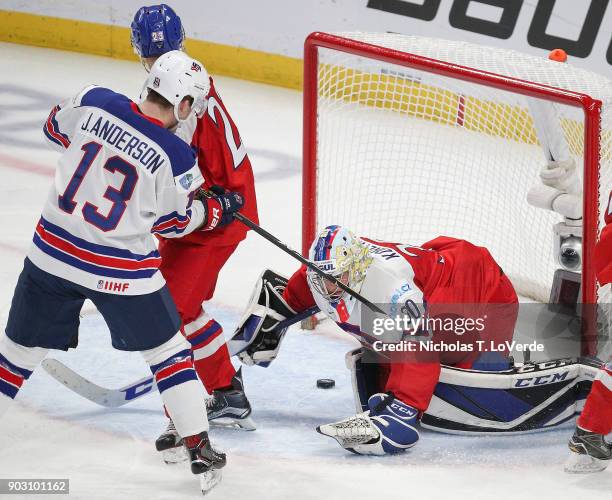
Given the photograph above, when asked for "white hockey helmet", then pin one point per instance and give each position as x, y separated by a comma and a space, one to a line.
340, 253
175, 76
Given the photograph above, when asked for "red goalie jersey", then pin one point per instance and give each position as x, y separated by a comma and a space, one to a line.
603, 249
442, 272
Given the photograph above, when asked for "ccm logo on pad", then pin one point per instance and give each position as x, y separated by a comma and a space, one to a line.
541, 380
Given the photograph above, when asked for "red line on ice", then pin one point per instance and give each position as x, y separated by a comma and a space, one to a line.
10, 161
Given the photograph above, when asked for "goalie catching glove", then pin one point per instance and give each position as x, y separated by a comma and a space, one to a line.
257, 338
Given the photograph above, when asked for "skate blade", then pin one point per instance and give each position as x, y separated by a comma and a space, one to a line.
209, 479
175, 455
243, 424
584, 464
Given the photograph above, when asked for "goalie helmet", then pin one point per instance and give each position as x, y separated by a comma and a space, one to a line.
175, 76
340, 253
156, 30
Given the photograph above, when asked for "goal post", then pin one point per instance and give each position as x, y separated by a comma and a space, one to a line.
385, 115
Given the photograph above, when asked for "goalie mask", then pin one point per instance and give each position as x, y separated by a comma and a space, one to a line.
338, 252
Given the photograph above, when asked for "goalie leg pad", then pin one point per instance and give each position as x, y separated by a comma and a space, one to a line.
367, 377
526, 398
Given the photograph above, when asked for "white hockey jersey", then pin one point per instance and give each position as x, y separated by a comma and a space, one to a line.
389, 283
121, 179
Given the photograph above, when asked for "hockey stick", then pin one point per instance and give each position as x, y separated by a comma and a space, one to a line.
549, 132
109, 398
296, 255
114, 398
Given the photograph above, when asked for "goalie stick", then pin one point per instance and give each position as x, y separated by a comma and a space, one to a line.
114, 398
296, 255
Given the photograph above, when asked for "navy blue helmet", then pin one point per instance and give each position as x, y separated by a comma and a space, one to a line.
156, 30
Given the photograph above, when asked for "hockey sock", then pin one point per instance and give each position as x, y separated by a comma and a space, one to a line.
178, 384
597, 413
210, 354
17, 363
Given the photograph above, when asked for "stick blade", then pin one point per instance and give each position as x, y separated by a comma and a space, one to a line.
99, 395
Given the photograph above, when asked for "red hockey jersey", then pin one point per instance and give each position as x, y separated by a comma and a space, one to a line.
441, 272
603, 249
223, 160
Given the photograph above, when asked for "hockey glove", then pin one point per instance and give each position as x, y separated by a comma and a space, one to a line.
257, 339
220, 208
562, 176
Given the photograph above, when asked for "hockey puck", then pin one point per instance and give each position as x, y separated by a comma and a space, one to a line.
326, 383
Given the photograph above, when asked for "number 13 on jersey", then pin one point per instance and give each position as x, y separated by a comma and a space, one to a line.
118, 197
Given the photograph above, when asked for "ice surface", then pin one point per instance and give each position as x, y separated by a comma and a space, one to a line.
51, 432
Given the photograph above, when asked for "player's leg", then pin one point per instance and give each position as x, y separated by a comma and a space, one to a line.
150, 324
191, 272
589, 450
17, 362
44, 315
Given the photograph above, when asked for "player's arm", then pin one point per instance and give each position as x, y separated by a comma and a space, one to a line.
62, 120
297, 294
178, 211
182, 206
603, 249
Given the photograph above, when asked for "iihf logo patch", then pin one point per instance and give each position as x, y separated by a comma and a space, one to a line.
100, 284
186, 180
156, 82
196, 67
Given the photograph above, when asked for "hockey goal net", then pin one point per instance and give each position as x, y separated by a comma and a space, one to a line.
407, 138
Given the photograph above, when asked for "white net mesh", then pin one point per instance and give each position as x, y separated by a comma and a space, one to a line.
407, 155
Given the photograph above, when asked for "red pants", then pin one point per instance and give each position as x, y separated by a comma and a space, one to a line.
191, 272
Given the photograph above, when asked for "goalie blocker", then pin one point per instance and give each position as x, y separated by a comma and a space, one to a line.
259, 334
